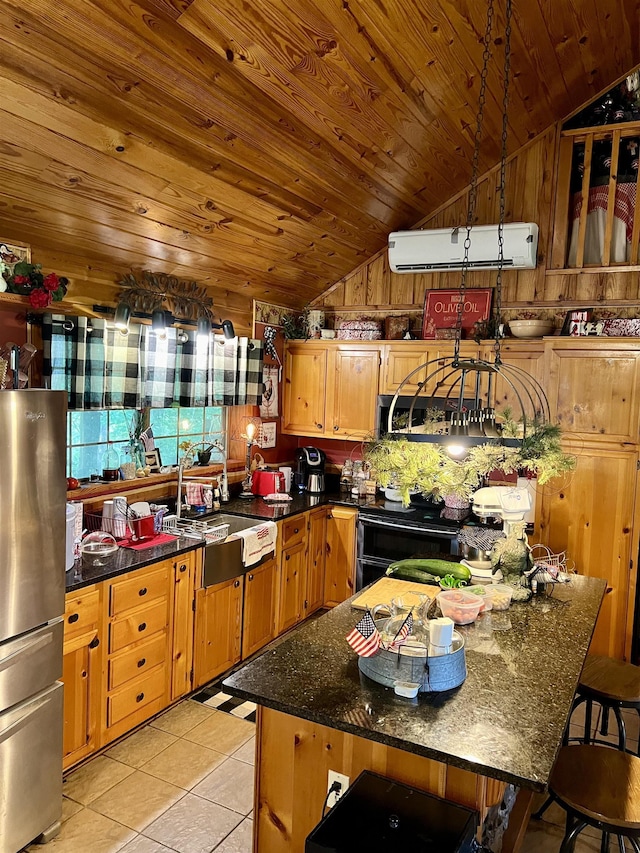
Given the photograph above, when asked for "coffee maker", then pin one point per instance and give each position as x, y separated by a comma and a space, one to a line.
309, 474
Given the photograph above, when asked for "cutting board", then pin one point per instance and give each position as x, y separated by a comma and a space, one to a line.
387, 588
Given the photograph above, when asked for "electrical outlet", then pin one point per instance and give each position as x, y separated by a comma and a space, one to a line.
343, 781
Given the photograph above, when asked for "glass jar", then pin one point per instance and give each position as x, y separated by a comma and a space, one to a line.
346, 476
128, 466
110, 465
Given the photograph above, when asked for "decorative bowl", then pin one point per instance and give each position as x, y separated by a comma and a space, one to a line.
327, 334
530, 328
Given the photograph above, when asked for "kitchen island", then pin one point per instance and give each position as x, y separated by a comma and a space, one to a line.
503, 725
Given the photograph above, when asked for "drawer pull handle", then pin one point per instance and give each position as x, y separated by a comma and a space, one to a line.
250, 577
319, 426
141, 662
73, 618
142, 591
296, 530
288, 557
336, 427
183, 568
142, 626
139, 697
236, 584
94, 643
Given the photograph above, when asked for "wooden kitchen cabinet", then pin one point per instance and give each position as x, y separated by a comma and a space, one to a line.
293, 573
523, 356
184, 571
594, 389
218, 631
259, 607
82, 674
340, 566
330, 389
590, 514
316, 558
140, 609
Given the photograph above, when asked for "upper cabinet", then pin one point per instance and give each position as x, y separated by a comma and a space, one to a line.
330, 389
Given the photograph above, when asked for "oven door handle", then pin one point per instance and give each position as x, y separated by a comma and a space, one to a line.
447, 533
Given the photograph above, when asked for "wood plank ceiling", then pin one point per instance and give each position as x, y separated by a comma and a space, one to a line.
265, 147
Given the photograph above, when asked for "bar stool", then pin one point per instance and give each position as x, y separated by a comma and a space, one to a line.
614, 685
598, 787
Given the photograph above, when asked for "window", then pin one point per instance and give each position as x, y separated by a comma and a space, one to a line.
90, 434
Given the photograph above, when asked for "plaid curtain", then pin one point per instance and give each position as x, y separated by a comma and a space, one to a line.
103, 369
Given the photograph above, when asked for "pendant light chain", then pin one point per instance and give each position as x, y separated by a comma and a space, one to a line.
503, 169
473, 186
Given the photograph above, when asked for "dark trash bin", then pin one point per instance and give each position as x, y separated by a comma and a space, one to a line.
382, 816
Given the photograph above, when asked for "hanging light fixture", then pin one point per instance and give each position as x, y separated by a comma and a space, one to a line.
159, 322
204, 328
471, 422
122, 316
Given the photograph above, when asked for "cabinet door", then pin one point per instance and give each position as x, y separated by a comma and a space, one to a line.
352, 392
595, 391
524, 357
305, 376
399, 361
292, 585
218, 629
81, 674
316, 552
591, 517
340, 567
259, 611
182, 640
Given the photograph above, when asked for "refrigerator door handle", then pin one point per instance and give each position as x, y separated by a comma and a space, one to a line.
23, 646
17, 718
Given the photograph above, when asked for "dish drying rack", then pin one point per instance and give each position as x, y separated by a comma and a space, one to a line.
204, 531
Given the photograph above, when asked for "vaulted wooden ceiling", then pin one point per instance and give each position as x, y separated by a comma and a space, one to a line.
266, 147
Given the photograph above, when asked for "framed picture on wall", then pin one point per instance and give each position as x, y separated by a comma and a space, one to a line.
441, 310
153, 460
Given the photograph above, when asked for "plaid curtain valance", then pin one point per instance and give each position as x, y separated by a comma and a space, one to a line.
102, 369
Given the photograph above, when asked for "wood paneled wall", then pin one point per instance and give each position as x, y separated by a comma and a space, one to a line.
530, 183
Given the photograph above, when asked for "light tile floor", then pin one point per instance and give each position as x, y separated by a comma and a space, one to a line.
184, 784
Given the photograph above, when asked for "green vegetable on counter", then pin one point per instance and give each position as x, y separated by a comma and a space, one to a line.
428, 571
449, 582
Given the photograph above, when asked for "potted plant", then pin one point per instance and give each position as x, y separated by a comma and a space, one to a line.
28, 280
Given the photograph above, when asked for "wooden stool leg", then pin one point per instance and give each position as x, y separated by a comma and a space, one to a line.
622, 730
587, 720
573, 830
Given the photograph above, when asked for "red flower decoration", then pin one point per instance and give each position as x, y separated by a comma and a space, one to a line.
21, 279
51, 282
39, 299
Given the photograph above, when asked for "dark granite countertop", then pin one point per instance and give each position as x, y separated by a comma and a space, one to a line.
506, 721
125, 560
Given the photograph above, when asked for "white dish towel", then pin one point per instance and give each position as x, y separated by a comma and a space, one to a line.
258, 541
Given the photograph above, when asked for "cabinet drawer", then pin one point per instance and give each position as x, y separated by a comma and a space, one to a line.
137, 661
293, 530
140, 693
139, 588
81, 612
138, 625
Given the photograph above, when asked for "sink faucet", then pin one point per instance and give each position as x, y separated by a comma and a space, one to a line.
224, 483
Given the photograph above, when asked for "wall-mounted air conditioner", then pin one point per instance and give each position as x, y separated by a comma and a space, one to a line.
443, 248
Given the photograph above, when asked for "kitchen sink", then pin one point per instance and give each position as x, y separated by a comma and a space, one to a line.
223, 560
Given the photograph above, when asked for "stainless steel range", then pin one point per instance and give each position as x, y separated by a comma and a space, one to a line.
387, 532
32, 571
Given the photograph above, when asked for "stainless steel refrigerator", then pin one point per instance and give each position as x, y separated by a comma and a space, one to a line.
32, 572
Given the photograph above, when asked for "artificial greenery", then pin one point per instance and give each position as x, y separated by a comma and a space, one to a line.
295, 326
430, 469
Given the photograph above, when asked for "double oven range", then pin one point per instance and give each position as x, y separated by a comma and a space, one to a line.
388, 532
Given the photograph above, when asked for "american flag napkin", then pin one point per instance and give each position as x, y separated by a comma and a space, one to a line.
365, 638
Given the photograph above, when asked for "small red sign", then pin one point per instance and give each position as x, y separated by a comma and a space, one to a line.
441, 309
